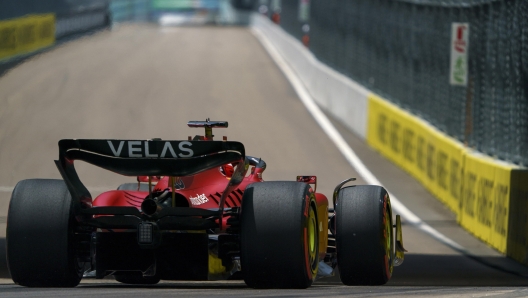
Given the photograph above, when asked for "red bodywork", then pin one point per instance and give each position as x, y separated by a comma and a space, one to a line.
204, 191
209, 184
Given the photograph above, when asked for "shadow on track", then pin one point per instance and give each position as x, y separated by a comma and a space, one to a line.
452, 270
418, 270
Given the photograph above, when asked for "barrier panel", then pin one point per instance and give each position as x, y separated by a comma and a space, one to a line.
489, 197
429, 156
26, 34
484, 209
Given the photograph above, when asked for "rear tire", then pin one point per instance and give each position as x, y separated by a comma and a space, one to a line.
40, 240
279, 235
137, 279
364, 235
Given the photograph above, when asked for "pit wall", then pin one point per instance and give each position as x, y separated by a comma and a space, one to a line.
489, 197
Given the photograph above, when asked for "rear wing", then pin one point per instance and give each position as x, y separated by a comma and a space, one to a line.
143, 158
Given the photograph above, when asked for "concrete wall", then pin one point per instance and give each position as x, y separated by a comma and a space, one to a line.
335, 93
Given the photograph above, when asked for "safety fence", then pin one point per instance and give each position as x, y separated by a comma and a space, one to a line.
403, 50
489, 196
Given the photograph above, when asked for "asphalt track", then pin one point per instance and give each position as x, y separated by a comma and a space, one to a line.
142, 82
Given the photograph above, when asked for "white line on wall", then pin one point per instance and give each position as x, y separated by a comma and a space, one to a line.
6, 189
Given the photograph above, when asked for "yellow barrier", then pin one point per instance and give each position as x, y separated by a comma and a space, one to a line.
26, 34
485, 205
433, 159
487, 195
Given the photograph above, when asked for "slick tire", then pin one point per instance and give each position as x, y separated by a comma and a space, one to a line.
364, 235
133, 187
137, 279
40, 240
279, 235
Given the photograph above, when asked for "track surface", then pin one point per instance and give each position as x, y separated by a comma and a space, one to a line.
143, 82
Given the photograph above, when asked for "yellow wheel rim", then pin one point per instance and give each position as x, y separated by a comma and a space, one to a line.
388, 241
312, 240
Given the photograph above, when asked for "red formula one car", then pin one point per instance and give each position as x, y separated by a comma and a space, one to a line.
200, 211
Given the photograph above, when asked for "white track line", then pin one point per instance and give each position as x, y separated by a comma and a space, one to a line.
343, 146
6, 189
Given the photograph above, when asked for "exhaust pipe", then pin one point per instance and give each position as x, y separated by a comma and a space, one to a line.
150, 207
